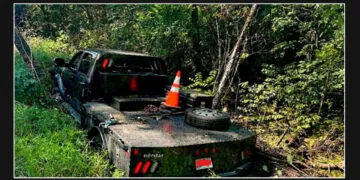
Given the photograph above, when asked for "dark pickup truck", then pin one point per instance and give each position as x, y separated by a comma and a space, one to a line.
117, 97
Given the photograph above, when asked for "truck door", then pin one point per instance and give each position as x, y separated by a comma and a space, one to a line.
82, 79
70, 72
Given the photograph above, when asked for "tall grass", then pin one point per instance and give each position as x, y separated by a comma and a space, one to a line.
47, 140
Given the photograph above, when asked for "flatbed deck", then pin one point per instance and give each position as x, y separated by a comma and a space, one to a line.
140, 129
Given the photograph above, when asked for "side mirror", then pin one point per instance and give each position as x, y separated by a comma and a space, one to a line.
59, 61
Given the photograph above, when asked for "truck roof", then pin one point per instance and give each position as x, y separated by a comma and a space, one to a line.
139, 129
120, 52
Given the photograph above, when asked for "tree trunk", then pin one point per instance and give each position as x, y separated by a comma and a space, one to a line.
25, 52
236, 67
231, 63
219, 53
195, 38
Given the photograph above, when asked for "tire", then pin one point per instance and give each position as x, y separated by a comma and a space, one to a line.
97, 139
210, 119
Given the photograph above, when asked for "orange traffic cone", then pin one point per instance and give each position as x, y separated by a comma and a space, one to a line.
172, 99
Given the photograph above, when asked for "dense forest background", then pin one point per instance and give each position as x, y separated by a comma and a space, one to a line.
279, 69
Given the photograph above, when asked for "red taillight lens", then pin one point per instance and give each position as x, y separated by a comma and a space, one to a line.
213, 150
206, 150
105, 63
197, 152
160, 66
133, 84
146, 167
137, 168
136, 152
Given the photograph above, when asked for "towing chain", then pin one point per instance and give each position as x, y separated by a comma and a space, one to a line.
151, 108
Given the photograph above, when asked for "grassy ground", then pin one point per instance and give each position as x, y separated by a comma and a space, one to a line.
48, 143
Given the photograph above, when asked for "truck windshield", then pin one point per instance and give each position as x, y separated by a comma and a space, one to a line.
131, 64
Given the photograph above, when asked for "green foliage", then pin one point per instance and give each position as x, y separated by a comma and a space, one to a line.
198, 81
289, 158
306, 91
48, 143
50, 48
27, 88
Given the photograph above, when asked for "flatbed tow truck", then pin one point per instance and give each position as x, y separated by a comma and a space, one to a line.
122, 109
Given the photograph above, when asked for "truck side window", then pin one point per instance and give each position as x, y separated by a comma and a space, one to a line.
74, 63
86, 62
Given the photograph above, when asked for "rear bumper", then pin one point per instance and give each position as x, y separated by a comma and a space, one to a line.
237, 170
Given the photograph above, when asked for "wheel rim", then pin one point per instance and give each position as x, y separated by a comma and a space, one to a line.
206, 112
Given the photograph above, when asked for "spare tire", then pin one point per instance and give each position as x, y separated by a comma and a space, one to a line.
210, 119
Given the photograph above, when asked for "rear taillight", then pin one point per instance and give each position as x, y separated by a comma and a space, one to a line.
138, 167
105, 63
146, 167
160, 66
206, 151
133, 84
136, 152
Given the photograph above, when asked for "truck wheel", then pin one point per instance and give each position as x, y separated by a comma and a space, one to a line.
208, 119
97, 138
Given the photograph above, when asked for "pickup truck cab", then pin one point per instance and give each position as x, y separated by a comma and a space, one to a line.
116, 96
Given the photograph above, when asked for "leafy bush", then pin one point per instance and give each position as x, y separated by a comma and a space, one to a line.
301, 95
27, 88
304, 93
198, 83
